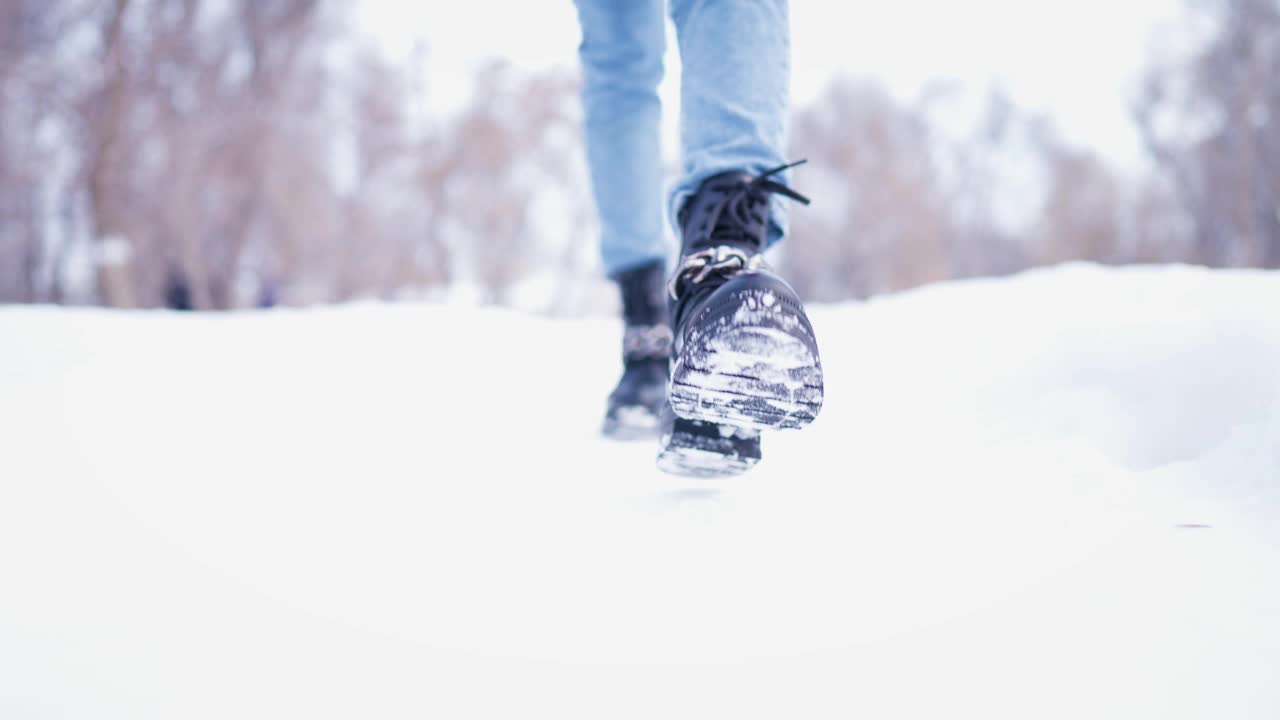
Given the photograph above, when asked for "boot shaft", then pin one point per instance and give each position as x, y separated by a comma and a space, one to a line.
647, 335
731, 209
723, 213
642, 292
724, 231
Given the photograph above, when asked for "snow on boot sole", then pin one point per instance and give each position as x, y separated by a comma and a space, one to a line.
693, 448
754, 366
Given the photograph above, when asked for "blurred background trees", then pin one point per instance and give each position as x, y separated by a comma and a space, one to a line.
240, 153
231, 154
1213, 124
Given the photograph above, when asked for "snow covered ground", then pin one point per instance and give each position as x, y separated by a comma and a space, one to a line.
1049, 496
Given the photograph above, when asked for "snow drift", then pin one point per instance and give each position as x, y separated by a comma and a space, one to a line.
1053, 495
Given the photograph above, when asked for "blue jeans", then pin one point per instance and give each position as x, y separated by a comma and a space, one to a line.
734, 95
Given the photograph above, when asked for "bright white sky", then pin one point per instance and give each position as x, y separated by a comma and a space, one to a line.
1076, 61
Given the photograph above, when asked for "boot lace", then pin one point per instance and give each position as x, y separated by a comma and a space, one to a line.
738, 215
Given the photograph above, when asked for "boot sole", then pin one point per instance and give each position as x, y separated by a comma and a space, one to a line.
692, 448
750, 376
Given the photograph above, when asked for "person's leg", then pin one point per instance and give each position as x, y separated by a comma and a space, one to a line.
734, 96
744, 355
621, 55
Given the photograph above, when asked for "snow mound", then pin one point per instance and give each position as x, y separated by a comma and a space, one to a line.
1052, 495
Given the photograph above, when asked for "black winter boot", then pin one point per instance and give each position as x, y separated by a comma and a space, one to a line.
636, 403
744, 352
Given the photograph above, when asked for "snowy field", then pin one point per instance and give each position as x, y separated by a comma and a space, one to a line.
1050, 496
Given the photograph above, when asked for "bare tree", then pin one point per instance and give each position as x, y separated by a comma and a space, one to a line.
33, 94
1081, 216
1210, 121
193, 113
881, 223
516, 142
